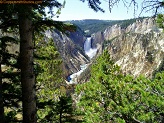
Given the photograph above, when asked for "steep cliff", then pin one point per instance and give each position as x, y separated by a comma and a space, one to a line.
138, 49
71, 49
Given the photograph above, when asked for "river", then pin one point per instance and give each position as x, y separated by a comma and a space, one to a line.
91, 52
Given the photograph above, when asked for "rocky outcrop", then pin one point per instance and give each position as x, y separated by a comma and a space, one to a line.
143, 26
70, 49
98, 38
112, 32
78, 37
140, 26
138, 53
138, 49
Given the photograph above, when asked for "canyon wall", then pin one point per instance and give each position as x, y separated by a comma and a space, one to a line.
70, 48
138, 49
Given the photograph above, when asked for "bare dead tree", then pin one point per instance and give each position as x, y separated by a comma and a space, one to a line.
152, 5
146, 5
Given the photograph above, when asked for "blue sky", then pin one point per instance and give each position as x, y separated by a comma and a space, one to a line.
77, 10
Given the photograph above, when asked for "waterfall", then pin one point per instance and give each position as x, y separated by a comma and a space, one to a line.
88, 49
73, 78
87, 44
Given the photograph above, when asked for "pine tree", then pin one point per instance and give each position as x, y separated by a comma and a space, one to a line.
111, 97
100, 91
9, 73
53, 104
49, 77
35, 20
29, 18
1, 96
160, 20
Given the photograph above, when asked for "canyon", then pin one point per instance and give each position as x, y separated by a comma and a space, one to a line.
137, 48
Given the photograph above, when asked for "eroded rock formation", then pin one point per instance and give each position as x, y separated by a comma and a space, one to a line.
138, 49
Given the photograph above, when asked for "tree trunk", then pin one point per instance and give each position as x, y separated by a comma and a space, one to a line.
61, 112
1, 97
26, 65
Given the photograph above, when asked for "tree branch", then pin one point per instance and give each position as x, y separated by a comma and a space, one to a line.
54, 24
9, 23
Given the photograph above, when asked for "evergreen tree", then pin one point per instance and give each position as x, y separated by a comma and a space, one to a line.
111, 97
49, 77
33, 17
29, 18
160, 20
1, 96
9, 73
26, 65
53, 103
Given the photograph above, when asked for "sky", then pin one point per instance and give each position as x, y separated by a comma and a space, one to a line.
77, 10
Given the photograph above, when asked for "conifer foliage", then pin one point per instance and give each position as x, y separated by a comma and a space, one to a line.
160, 20
28, 19
110, 96
10, 76
48, 79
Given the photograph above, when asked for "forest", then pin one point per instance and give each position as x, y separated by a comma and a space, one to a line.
32, 81
97, 25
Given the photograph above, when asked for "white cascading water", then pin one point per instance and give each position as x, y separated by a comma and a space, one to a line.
88, 49
73, 78
87, 44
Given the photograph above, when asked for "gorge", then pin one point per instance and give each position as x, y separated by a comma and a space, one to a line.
137, 47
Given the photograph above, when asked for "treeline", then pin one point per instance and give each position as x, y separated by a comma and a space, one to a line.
90, 26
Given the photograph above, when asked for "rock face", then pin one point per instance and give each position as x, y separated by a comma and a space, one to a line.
138, 49
144, 26
138, 53
78, 37
112, 32
71, 50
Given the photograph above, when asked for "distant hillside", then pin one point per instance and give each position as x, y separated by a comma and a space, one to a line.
90, 26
